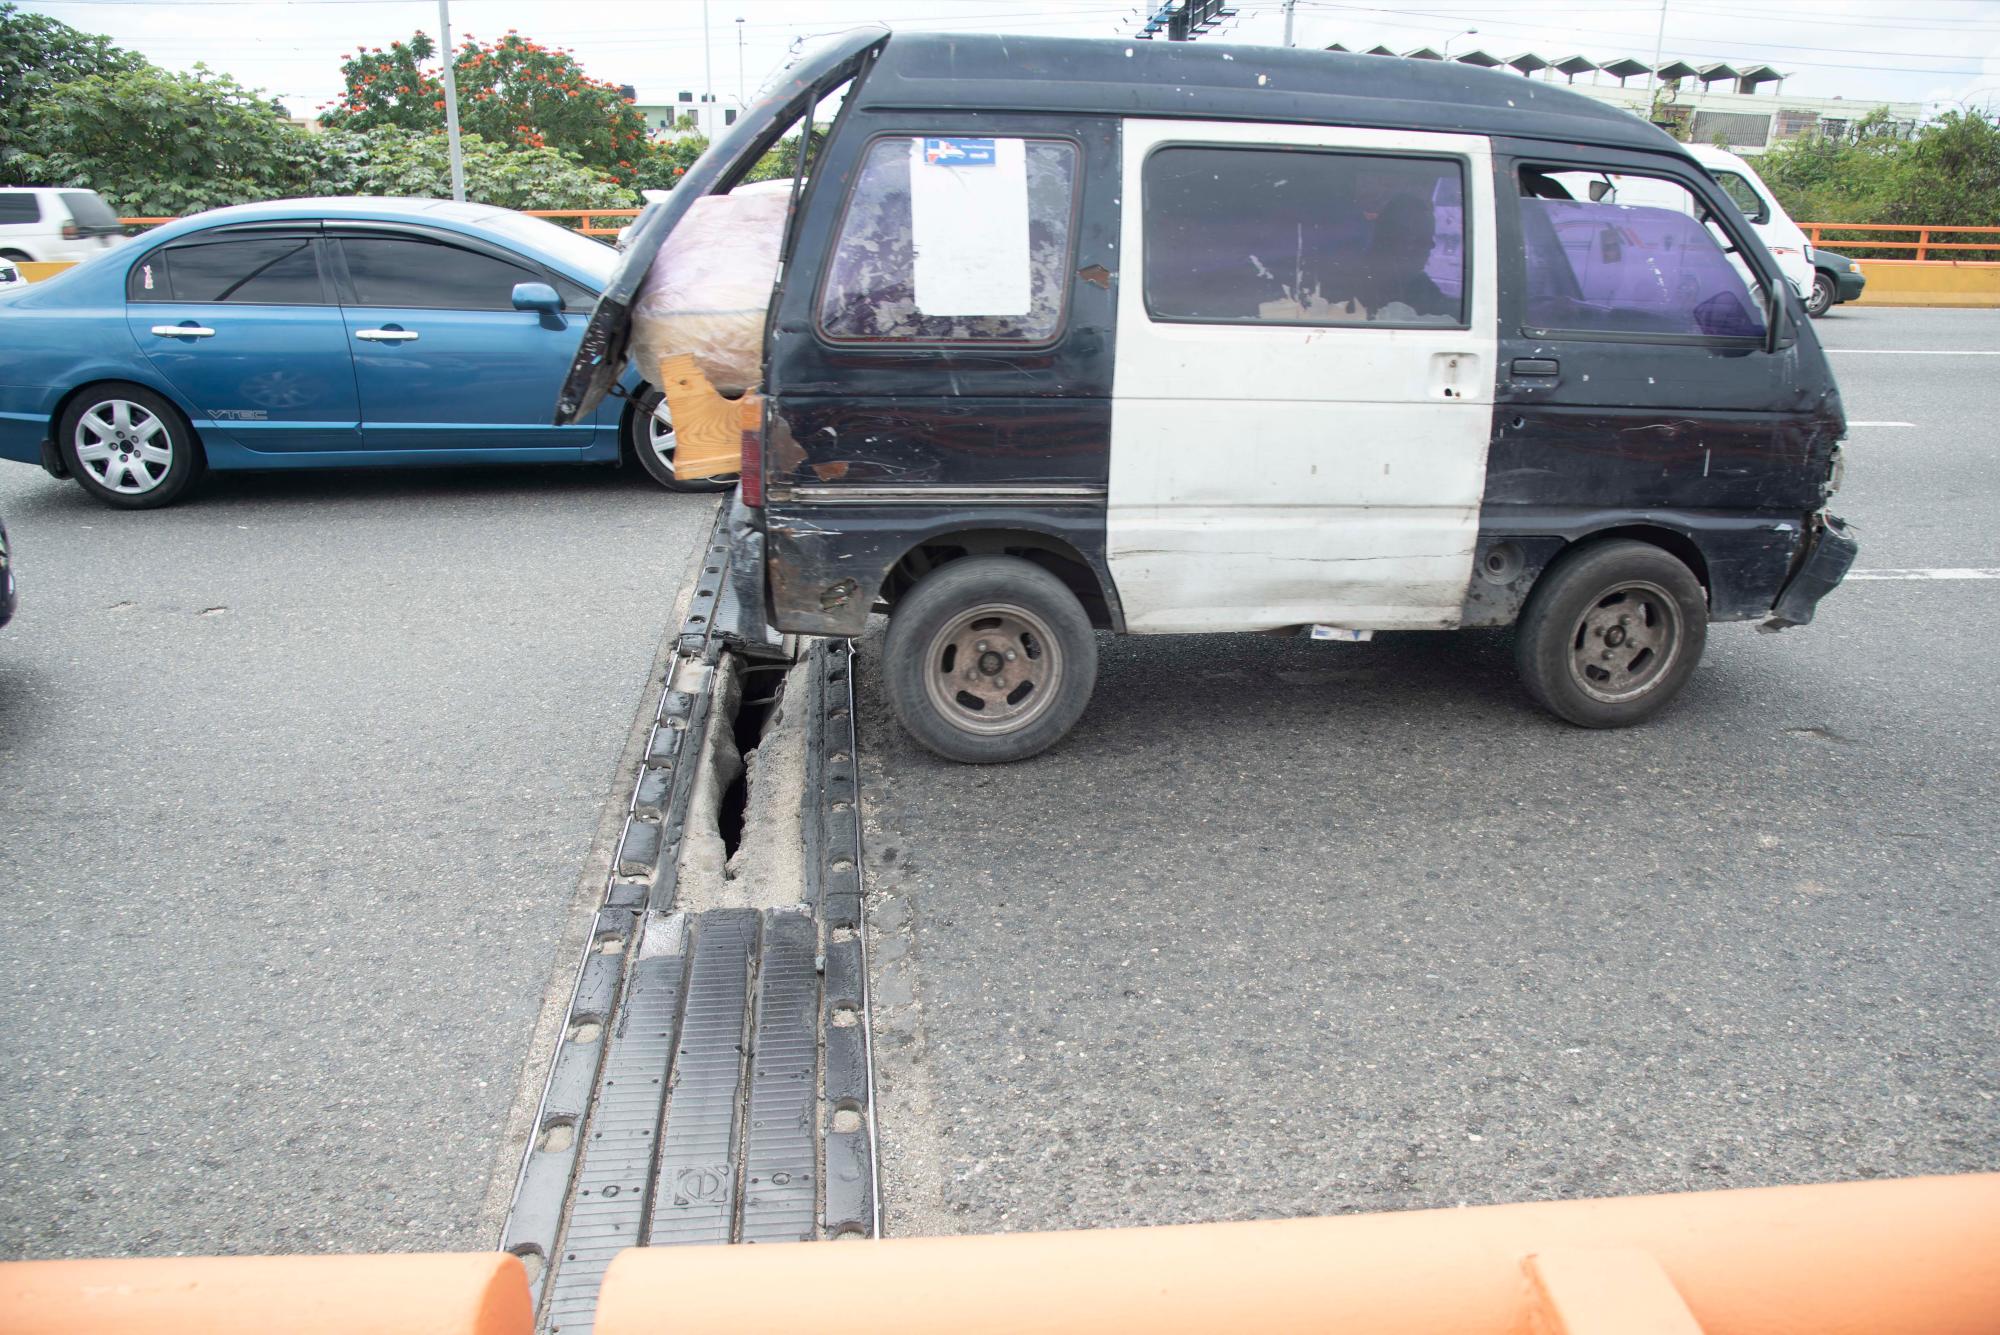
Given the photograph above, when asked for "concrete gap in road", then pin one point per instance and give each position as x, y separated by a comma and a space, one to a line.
743, 847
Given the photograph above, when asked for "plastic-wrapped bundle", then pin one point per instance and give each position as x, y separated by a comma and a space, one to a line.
709, 288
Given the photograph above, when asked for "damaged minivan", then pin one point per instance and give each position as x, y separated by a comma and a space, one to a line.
1068, 336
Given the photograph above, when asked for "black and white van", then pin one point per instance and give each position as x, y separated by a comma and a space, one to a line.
1167, 337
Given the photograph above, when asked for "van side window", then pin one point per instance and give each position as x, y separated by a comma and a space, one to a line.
1611, 254
954, 239
1284, 236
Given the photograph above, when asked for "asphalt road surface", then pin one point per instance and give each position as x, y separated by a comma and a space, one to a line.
299, 783
1292, 928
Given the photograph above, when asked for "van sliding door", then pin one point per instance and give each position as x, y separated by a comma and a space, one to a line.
1303, 391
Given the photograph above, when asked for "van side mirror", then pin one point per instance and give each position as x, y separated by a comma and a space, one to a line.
542, 299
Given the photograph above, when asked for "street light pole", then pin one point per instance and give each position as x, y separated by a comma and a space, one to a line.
740, 103
1446, 53
451, 104
1659, 43
707, 75
1290, 5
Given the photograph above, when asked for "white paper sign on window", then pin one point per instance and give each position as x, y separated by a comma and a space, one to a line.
969, 226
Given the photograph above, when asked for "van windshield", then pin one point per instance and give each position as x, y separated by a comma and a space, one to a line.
91, 214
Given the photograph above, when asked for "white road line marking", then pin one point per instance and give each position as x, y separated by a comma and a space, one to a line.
1938, 572
1881, 423
1925, 352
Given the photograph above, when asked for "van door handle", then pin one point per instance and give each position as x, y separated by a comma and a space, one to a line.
183, 331
390, 334
1537, 366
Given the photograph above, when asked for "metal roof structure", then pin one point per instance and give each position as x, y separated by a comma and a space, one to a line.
1747, 79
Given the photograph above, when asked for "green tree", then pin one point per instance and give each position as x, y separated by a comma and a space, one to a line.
391, 161
153, 142
1946, 175
38, 53
512, 91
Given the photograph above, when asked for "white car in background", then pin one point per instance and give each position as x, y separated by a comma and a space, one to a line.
1775, 228
10, 276
45, 223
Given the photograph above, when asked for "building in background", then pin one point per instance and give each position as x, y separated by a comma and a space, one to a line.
663, 118
1743, 107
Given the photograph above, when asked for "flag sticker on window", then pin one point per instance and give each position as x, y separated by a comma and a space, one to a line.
958, 152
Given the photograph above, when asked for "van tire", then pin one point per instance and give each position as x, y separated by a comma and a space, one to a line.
1588, 610
1820, 300
1039, 637
17, 256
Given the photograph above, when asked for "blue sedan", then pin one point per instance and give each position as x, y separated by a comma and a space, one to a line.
313, 333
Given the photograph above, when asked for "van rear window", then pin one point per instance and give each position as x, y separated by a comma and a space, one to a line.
88, 209
1304, 236
954, 238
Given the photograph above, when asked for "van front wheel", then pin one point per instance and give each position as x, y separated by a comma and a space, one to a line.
989, 659
1611, 634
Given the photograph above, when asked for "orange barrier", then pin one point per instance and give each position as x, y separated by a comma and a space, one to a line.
583, 217
34, 271
1917, 1257
1922, 244
483, 1293
1930, 283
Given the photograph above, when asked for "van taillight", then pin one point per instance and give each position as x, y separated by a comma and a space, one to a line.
752, 421
71, 232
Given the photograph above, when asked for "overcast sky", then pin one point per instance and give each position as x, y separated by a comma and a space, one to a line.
1942, 52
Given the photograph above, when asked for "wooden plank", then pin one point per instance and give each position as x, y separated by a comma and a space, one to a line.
708, 431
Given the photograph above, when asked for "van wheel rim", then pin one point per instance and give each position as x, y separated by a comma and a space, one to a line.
126, 447
1626, 642
993, 669
660, 438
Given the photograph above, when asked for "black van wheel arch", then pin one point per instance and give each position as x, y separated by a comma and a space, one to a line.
989, 659
1611, 633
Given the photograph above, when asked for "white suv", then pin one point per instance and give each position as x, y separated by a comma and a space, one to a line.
43, 223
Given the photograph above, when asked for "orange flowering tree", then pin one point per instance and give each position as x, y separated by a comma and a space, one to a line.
511, 91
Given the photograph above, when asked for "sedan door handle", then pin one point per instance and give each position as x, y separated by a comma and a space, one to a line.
183, 331
387, 335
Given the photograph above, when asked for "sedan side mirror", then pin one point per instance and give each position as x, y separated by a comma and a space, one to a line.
542, 299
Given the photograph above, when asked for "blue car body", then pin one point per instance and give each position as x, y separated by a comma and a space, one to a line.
397, 367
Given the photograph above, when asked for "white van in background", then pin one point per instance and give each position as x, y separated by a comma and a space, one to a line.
1775, 228
46, 224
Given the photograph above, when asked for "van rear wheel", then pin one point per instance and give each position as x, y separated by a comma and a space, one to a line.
1611, 634
989, 659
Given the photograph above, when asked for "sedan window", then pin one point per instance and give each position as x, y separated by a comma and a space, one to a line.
257, 271
429, 275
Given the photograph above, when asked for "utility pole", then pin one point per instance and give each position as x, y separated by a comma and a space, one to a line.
740, 103
451, 104
1290, 5
707, 75
1659, 44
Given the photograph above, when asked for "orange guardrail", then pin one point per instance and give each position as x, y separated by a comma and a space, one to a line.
1923, 244
482, 1293
583, 217
1918, 1257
